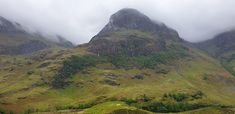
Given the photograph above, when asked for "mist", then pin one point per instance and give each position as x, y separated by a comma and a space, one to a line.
80, 20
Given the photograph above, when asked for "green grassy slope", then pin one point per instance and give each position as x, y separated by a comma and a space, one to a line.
26, 82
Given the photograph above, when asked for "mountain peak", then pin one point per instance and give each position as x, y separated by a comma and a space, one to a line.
124, 16
128, 18
130, 32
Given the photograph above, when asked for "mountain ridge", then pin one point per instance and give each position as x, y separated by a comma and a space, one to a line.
15, 40
7, 26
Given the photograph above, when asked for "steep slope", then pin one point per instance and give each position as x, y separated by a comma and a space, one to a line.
122, 69
15, 40
222, 47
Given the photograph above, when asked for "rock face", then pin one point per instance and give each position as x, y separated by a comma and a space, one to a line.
26, 48
132, 33
15, 40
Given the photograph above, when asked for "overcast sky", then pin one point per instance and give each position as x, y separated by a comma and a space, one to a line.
80, 20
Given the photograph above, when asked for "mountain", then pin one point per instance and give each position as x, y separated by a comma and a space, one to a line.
15, 40
134, 65
220, 44
64, 43
222, 47
133, 33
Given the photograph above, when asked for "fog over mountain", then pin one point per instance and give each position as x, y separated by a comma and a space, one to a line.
80, 20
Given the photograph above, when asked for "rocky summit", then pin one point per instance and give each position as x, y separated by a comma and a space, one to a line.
132, 33
132, 19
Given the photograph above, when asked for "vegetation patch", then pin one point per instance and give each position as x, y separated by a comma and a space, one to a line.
2, 111
228, 67
76, 64
170, 102
71, 66
150, 61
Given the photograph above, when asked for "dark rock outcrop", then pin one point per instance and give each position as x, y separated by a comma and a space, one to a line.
138, 77
131, 46
110, 82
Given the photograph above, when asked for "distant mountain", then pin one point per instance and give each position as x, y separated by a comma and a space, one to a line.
222, 46
15, 40
132, 33
64, 43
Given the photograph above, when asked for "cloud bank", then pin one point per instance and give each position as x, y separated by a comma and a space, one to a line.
80, 20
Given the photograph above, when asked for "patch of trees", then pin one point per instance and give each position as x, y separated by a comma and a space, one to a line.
150, 61
170, 102
71, 66
173, 107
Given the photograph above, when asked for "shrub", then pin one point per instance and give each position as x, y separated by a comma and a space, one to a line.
143, 98
2, 111
128, 101
198, 95
29, 111
177, 96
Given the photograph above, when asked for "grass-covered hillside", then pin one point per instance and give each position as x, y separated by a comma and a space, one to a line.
168, 82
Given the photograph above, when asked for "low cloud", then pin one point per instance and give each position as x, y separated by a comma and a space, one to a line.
80, 20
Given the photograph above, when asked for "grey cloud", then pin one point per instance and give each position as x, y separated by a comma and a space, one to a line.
79, 20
